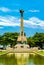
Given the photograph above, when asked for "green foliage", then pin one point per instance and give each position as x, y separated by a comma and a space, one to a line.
11, 39
37, 40
30, 42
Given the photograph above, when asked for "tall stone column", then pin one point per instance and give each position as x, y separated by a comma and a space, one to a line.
22, 23
21, 37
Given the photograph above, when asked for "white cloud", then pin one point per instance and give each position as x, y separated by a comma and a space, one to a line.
33, 10
35, 22
8, 21
4, 9
32, 22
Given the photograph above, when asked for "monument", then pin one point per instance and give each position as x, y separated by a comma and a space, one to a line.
22, 38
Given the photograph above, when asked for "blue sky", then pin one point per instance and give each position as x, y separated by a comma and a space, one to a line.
33, 16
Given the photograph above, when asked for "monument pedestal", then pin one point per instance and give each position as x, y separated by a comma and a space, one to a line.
22, 39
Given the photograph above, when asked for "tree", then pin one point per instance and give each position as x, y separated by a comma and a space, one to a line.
30, 42
10, 38
39, 39
36, 40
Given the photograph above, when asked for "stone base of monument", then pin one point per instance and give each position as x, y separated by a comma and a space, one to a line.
21, 46
21, 39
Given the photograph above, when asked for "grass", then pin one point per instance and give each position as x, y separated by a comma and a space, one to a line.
3, 52
41, 52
